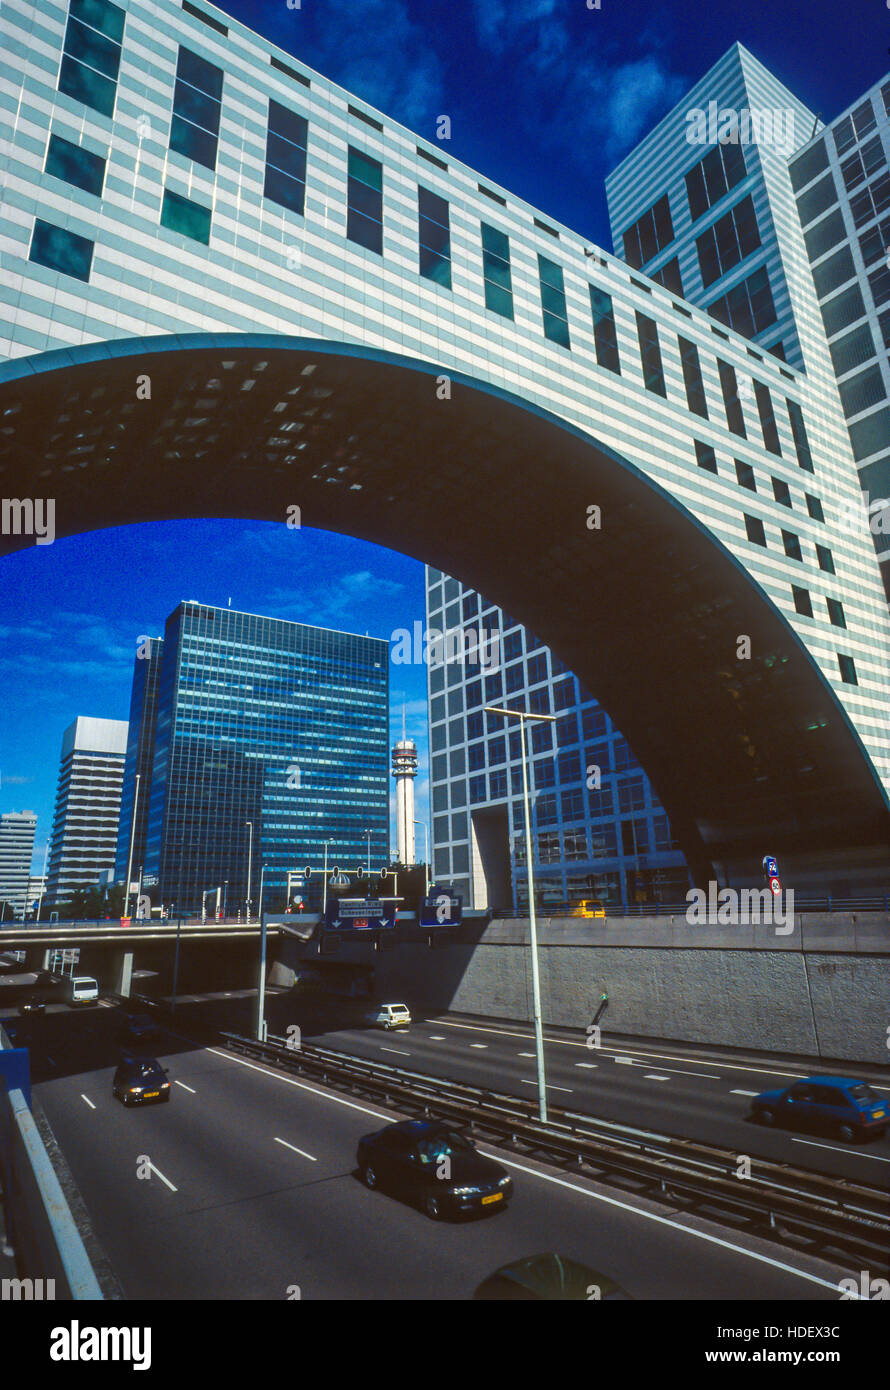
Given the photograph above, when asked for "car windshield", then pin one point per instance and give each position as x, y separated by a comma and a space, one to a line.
863, 1092
442, 1146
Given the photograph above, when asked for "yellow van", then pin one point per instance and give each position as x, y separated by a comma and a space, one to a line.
589, 907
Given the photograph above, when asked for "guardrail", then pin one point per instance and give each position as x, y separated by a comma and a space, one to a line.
878, 903
789, 1205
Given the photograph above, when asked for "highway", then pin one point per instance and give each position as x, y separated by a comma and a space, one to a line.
252, 1192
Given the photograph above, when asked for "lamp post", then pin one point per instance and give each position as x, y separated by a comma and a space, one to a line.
42, 881
533, 930
225, 899
324, 883
130, 855
261, 988
368, 834
249, 824
426, 866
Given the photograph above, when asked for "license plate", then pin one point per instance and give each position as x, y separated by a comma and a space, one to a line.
151, 1095
494, 1197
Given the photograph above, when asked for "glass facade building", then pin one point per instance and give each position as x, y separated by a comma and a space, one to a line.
598, 829
140, 752
271, 739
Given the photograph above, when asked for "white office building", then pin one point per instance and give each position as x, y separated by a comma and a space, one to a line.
88, 805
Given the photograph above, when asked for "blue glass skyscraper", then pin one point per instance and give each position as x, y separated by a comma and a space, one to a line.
271, 739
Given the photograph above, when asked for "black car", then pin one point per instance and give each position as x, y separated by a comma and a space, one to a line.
139, 1028
140, 1079
550, 1277
431, 1163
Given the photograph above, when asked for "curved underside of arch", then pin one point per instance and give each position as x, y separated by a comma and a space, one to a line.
747, 756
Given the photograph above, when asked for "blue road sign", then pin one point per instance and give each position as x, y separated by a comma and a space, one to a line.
442, 908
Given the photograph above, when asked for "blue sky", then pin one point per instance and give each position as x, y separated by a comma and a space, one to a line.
544, 97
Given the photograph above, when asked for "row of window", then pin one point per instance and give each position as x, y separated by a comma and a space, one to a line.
721, 169
790, 543
729, 240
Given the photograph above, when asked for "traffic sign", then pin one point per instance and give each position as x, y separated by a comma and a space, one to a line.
775, 886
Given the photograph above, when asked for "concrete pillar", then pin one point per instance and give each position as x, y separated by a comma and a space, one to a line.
123, 973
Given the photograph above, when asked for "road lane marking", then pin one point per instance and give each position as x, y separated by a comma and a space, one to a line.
587, 1066
653, 1076
664, 1221
158, 1172
436, 1037
836, 1149
184, 1087
624, 1061
744, 1093
301, 1152
300, 1085
526, 1082
400, 1050
482, 1045
673, 1071
650, 1056
88, 1101
524, 1054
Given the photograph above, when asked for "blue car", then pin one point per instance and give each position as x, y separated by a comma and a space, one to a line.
838, 1105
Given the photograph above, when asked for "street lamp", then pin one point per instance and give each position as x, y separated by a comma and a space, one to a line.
368, 834
324, 886
426, 866
533, 929
249, 824
225, 899
261, 989
42, 882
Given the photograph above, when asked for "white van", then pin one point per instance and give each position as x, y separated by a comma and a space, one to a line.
81, 989
392, 1016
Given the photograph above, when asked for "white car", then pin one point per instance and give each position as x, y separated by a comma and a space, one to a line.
392, 1016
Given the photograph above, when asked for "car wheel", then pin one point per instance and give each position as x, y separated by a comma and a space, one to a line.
432, 1208
369, 1176
766, 1117
847, 1133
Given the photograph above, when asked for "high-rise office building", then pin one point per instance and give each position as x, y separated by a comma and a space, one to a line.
271, 739
88, 803
140, 752
598, 829
16, 849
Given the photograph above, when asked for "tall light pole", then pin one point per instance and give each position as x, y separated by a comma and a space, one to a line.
533, 928
42, 881
249, 824
324, 885
225, 899
132, 840
368, 834
261, 989
426, 864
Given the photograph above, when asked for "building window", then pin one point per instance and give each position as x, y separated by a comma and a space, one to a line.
871, 201
792, 545
873, 243
798, 430
604, 330
477, 789
57, 249
848, 669
434, 237
722, 168
854, 348
669, 277
805, 168
767, 418
834, 272
705, 456
860, 166
816, 200
91, 55
732, 405
836, 612
496, 271
814, 507
497, 784
826, 561
825, 234
802, 603
286, 139
197, 97
650, 354
180, 214
754, 529
649, 234
854, 127
75, 165
364, 197
745, 475
781, 492
860, 392
732, 237
748, 307
553, 302
692, 378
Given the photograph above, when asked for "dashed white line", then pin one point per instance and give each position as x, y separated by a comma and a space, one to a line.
522, 1054
184, 1087
624, 1061
400, 1050
301, 1152
88, 1101
526, 1082
587, 1066
744, 1093
159, 1174
480, 1045
436, 1037
653, 1076
835, 1148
